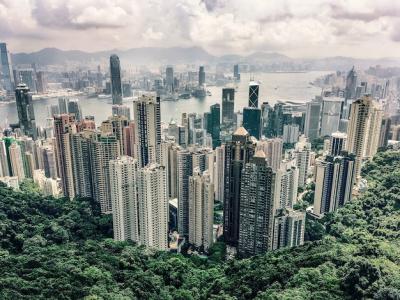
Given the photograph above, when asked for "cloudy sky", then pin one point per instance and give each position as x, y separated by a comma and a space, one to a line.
298, 28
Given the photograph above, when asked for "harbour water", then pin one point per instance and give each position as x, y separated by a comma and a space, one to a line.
294, 87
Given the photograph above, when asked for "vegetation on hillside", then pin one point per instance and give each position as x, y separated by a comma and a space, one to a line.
57, 249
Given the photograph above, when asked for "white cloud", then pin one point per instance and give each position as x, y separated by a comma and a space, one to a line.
294, 27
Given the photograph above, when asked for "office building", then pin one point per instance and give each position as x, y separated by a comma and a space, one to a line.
147, 118
334, 182
26, 114
202, 76
116, 82
41, 84
330, 115
254, 88
74, 109
102, 151
27, 77
237, 153
63, 106
252, 121
384, 132
267, 117
312, 121
228, 105
351, 85
6, 76
123, 186
201, 209
169, 79
236, 74
256, 207
153, 207
214, 125
289, 227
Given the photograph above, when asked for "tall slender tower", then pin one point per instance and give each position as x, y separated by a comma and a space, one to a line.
228, 104
123, 186
237, 153
63, 128
103, 150
17, 164
26, 114
202, 76
147, 118
153, 206
256, 207
201, 209
357, 132
6, 76
253, 94
116, 83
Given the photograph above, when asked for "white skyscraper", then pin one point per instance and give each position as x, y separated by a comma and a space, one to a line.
302, 156
123, 183
330, 115
287, 178
4, 169
17, 164
153, 206
219, 173
201, 209
147, 118
290, 133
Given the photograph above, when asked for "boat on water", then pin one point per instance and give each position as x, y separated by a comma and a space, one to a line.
185, 96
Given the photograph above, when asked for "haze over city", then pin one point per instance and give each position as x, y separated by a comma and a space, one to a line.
361, 29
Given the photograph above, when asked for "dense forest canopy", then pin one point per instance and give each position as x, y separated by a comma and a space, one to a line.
58, 249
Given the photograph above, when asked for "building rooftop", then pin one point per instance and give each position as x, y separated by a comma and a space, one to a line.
241, 131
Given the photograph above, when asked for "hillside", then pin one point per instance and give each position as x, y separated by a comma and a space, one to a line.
56, 249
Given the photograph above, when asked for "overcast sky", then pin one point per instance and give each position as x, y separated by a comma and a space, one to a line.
298, 28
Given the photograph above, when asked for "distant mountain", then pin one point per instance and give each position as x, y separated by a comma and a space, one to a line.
195, 55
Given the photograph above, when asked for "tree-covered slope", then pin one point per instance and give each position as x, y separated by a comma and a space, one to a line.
57, 249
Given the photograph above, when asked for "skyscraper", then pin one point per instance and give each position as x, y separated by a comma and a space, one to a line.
17, 163
219, 153
201, 209
63, 105
123, 188
267, 116
4, 165
121, 110
169, 78
334, 183
330, 115
256, 207
252, 121
351, 85
358, 131
312, 122
26, 114
214, 124
187, 161
153, 207
236, 74
384, 132
116, 83
337, 143
6, 76
253, 94
202, 76
237, 153
273, 149
63, 128
302, 156
74, 109
147, 118
103, 150
289, 227
228, 104
287, 177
